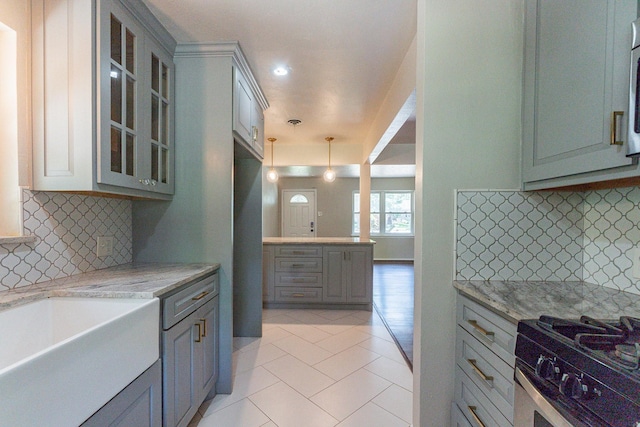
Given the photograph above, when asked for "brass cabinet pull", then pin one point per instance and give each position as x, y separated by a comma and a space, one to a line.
485, 377
297, 265
199, 333
614, 127
200, 296
475, 416
480, 329
204, 327
297, 295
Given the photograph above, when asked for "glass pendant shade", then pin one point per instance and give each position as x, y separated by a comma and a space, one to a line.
329, 175
272, 175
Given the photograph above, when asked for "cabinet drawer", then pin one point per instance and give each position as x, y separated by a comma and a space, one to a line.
298, 251
457, 417
495, 332
179, 305
299, 279
489, 373
291, 294
473, 403
309, 265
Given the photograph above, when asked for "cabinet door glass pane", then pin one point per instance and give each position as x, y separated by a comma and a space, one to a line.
131, 99
155, 122
131, 51
165, 122
154, 161
116, 40
116, 94
165, 165
130, 154
116, 150
165, 81
155, 73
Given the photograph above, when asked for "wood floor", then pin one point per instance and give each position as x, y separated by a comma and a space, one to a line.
393, 300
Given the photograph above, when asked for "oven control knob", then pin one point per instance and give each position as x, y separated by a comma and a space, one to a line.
574, 386
547, 368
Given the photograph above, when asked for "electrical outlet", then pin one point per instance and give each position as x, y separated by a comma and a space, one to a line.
105, 246
636, 262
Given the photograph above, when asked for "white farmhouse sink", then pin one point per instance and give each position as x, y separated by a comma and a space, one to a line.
61, 359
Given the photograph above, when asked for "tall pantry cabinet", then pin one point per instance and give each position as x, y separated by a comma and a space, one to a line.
197, 225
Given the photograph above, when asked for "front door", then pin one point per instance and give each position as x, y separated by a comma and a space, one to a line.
299, 213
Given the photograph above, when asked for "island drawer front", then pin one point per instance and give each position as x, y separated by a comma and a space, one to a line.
184, 302
490, 374
308, 265
292, 294
495, 332
299, 279
298, 251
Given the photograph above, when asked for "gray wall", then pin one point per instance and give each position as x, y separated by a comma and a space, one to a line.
334, 201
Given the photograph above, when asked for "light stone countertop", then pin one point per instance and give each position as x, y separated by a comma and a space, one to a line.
529, 300
143, 280
316, 241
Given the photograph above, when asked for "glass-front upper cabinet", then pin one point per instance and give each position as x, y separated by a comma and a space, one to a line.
102, 98
159, 92
135, 148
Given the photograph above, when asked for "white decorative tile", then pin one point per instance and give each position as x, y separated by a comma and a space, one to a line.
345, 363
66, 227
298, 375
371, 415
396, 400
243, 413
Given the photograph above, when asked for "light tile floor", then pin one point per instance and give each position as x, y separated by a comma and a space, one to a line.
315, 368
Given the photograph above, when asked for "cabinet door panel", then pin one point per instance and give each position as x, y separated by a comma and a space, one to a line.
334, 288
121, 80
207, 358
360, 276
178, 362
576, 75
242, 108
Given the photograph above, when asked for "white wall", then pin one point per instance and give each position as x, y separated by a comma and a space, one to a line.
468, 131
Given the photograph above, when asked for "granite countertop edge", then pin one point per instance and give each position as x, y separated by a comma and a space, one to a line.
134, 280
316, 241
518, 300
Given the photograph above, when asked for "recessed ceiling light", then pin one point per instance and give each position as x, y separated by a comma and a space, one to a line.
281, 71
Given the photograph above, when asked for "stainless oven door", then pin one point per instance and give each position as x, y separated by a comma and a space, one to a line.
633, 128
538, 404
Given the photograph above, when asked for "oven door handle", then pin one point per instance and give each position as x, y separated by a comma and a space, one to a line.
549, 411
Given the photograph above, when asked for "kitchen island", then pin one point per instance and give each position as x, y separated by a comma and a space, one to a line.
317, 272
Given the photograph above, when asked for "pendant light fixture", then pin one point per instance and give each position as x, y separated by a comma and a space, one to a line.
272, 174
329, 175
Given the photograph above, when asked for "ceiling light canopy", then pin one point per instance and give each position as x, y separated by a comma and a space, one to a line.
272, 174
329, 175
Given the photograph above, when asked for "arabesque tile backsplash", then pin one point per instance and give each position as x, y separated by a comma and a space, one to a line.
66, 227
514, 235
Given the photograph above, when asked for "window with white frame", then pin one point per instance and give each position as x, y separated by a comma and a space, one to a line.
391, 213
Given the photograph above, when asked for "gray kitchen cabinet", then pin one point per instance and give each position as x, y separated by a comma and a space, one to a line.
576, 75
348, 274
248, 117
313, 274
189, 349
103, 99
485, 360
139, 404
268, 288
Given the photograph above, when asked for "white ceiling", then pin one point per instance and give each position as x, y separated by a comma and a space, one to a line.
342, 56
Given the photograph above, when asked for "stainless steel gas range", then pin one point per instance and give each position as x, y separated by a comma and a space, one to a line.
577, 373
